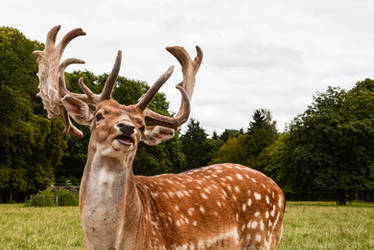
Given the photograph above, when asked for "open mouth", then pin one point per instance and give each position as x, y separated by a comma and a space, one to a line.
125, 140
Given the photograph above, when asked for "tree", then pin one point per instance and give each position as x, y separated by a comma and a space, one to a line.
233, 150
230, 133
245, 148
30, 148
332, 143
262, 132
195, 145
274, 160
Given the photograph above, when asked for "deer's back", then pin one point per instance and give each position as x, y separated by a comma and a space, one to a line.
223, 206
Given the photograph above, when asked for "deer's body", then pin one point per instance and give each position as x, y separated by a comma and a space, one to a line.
225, 206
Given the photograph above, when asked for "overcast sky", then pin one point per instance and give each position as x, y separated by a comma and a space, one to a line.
257, 54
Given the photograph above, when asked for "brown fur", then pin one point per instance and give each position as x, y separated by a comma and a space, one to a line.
176, 201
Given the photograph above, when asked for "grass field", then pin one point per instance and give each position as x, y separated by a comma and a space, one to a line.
308, 225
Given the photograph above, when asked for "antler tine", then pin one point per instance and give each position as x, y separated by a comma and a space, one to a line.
147, 98
189, 70
61, 77
89, 97
67, 38
189, 67
112, 78
51, 38
170, 122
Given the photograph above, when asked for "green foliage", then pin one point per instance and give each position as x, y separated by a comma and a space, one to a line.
232, 151
67, 196
246, 148
196, 146
230, 133
331, 145
30, 148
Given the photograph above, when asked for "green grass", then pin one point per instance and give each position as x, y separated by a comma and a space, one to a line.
40, 227
308, 225
323, 225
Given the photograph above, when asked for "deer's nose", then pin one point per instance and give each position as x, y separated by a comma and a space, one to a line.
125, 128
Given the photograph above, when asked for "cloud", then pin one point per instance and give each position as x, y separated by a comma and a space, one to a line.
257, 54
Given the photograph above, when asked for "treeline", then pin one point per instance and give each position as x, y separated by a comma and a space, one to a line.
33, 151
325, 152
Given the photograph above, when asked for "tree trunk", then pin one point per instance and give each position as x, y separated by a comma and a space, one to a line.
340, 195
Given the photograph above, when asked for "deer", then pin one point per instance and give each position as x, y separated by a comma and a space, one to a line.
222, 206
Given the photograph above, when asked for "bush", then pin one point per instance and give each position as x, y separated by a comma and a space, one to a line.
53, 196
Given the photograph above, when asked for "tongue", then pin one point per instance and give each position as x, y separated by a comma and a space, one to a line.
124, 140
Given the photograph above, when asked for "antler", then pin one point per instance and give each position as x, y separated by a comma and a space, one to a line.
186, 87
52, 80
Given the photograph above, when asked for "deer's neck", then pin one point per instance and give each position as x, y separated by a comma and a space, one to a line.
110, 206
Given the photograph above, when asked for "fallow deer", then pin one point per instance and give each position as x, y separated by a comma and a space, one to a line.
223, 206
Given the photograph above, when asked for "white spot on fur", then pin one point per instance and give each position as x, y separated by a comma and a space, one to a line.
179, 194
257, 196
204, 196
155, 194
219, 204
249, 202
190, 211
194, 223
267, 214
262, 226
237, 189
254, 224
280, 202
229, 178
206, 244
202, 210
244, 207
258, 237
270, 223
239, 176
257, 214
267, 199
254, 180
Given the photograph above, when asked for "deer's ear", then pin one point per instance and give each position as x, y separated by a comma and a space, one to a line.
78, 110
154, 135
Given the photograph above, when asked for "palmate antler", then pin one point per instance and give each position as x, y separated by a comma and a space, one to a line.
49, 64
53, 88
52, 80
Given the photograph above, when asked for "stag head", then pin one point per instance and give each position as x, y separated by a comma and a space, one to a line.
113, 125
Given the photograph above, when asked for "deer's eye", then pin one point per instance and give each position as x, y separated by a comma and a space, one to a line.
142, 128
99, 116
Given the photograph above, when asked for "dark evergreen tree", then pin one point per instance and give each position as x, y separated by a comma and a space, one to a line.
195, 145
